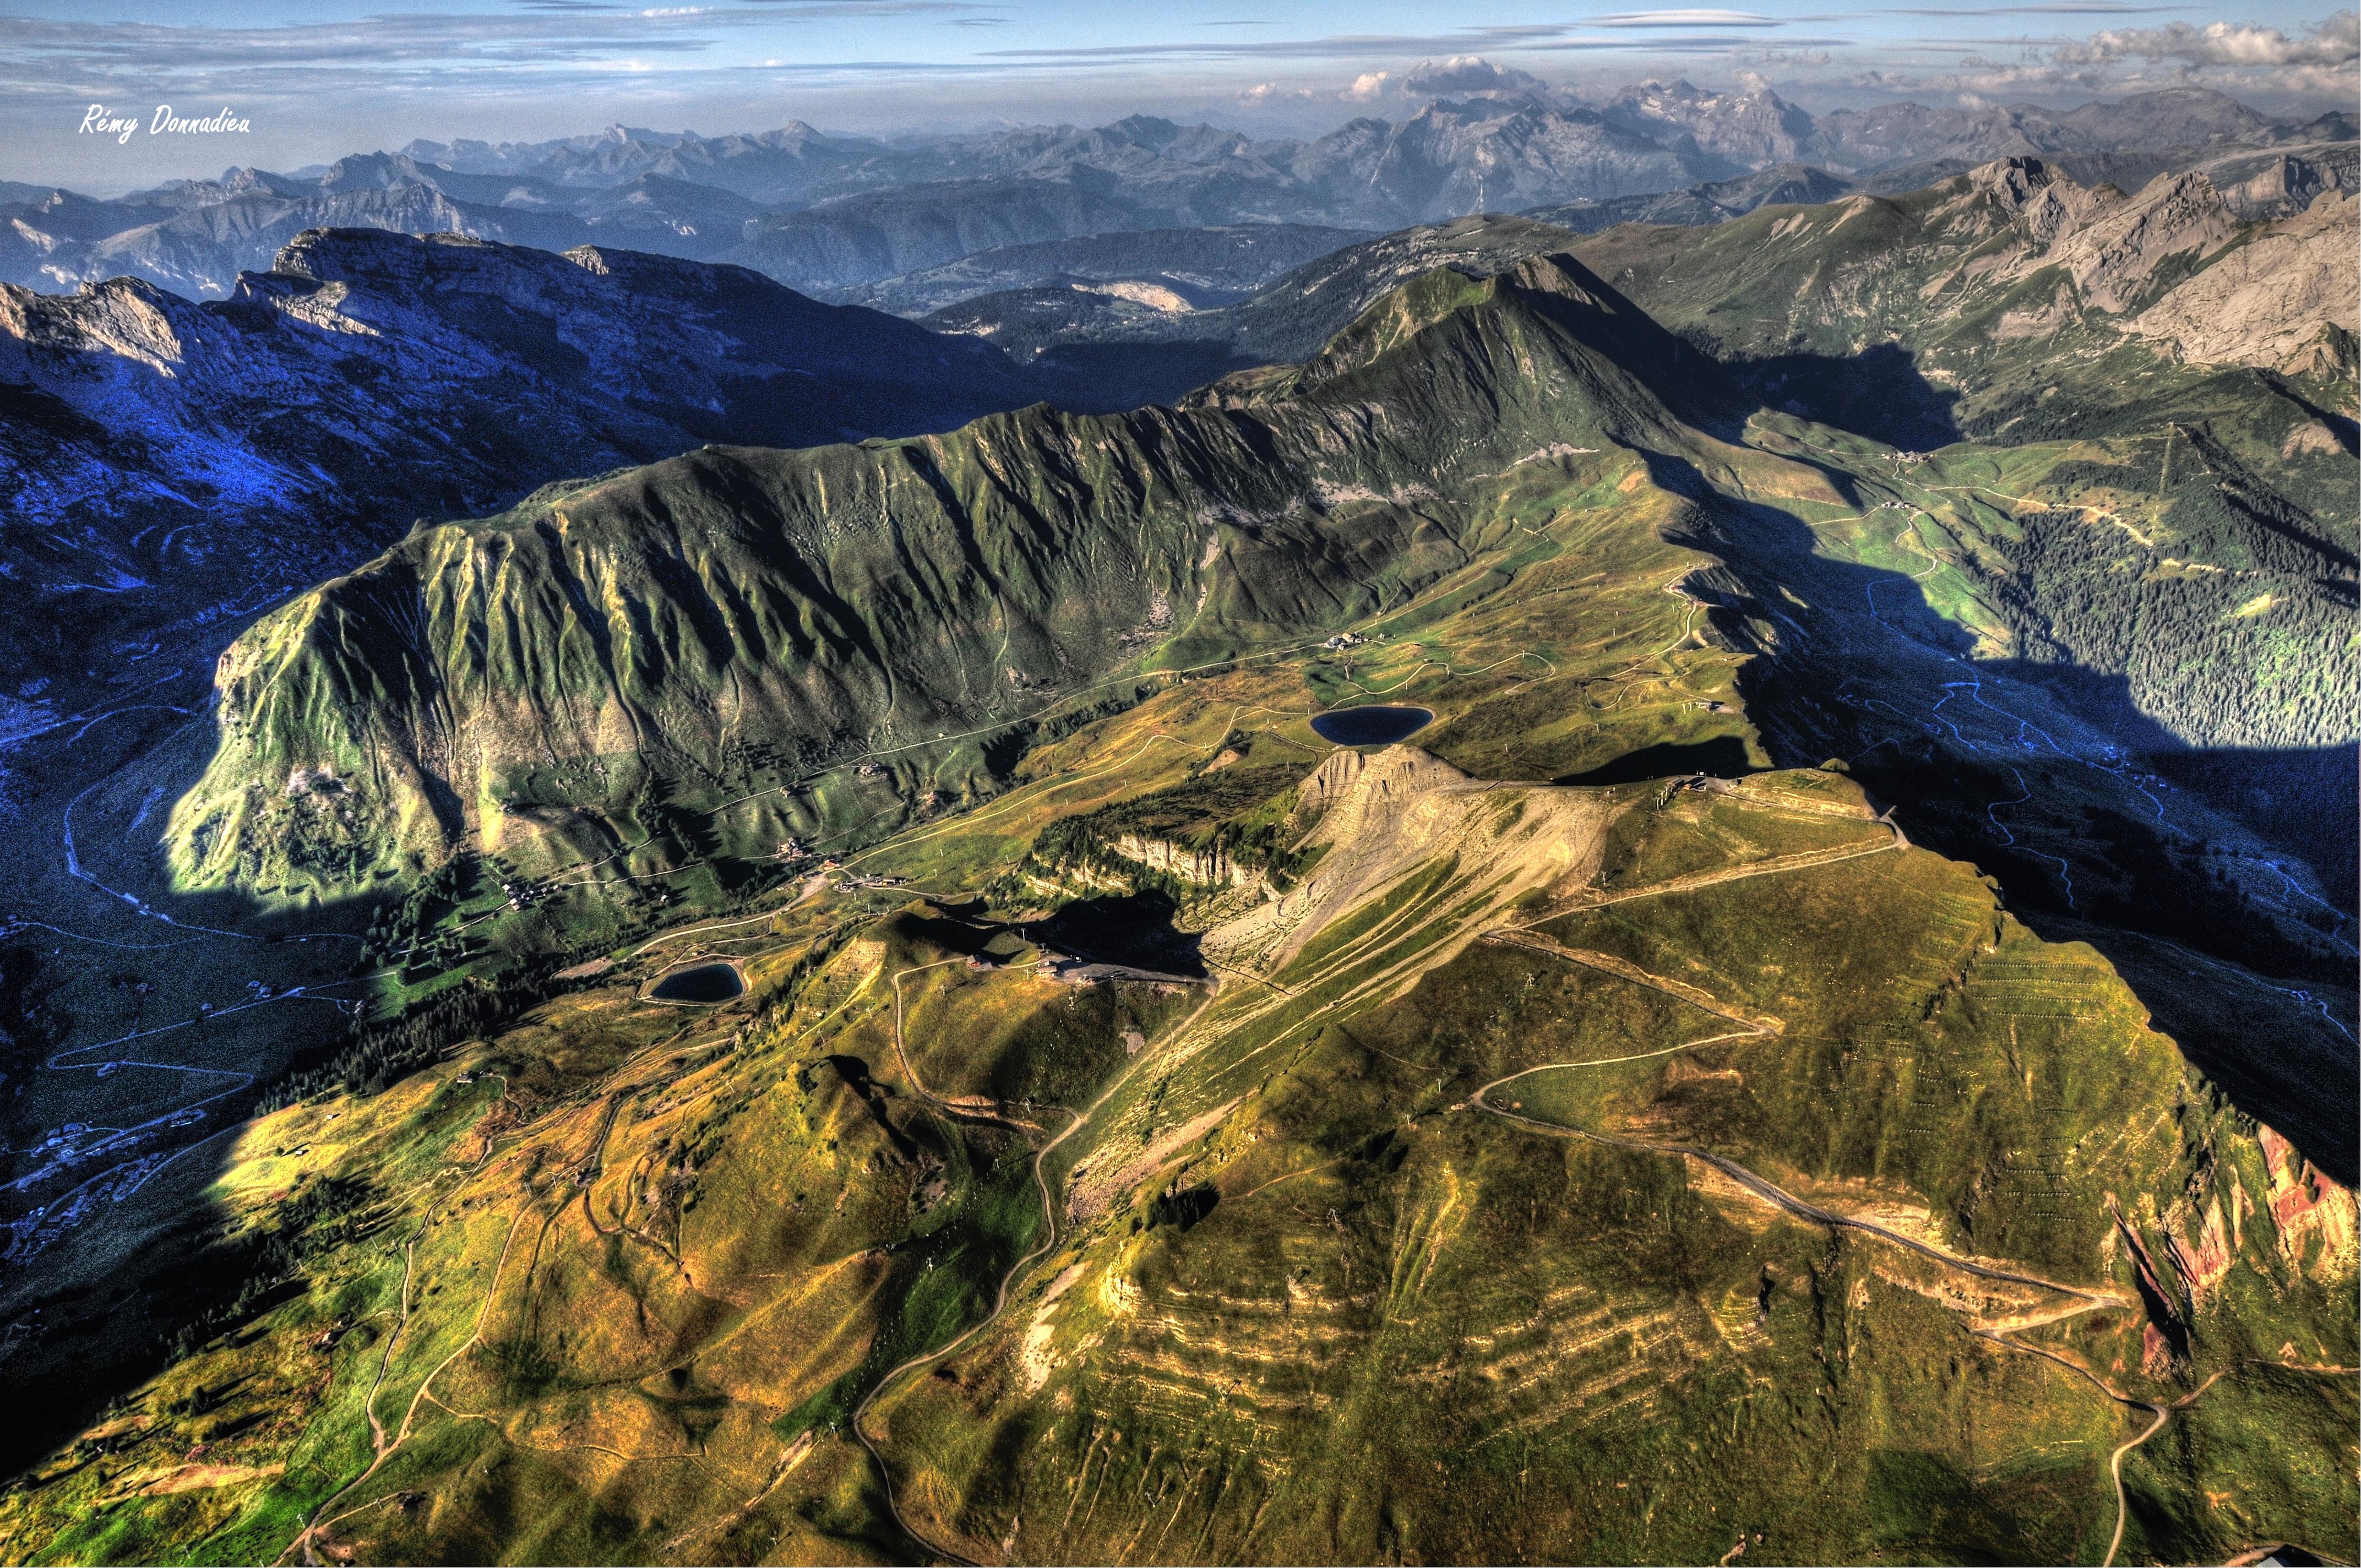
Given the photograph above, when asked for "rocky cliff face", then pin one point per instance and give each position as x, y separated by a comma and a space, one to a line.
1209, 867
2289, 300
2176, 265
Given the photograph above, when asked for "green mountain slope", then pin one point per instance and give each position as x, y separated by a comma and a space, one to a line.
726, 620
1134, 1128
1616, 1173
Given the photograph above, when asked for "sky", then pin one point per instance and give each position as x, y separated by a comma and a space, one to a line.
311, 81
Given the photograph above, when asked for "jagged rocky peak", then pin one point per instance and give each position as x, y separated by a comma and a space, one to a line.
1750, 123
330, 254
2041, 202
128, 319
2015, 182
2110, 242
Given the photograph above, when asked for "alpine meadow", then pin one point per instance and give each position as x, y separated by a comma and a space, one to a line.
1469, 820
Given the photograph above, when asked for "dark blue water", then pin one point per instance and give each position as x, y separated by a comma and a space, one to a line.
1375, 725
706, 983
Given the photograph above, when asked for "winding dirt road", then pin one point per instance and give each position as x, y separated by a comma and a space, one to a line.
2084, 1299
993, 1110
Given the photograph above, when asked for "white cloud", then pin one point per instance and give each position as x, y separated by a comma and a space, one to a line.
1683, 19
1465, 74
1369, 85
2332, 43
1262, 94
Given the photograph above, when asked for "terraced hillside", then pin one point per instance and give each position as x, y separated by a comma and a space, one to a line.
1596, 1129
1616, 1172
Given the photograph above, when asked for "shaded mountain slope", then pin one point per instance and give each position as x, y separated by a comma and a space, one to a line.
2217, 566
163, 459
1204, 266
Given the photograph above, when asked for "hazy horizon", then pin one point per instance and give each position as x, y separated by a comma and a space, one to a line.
315, 85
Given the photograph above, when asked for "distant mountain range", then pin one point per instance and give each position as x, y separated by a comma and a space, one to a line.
1132, 339
829, 212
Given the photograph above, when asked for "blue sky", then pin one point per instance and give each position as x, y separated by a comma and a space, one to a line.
318, 80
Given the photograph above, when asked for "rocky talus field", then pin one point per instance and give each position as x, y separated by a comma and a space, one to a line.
887, 1030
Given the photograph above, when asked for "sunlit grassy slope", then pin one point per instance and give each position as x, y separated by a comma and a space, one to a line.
1535, 1152
1311, 1281
653, 1265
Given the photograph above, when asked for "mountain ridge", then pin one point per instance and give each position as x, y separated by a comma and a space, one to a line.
1259, 510
160, 451
826, 213
892, 1031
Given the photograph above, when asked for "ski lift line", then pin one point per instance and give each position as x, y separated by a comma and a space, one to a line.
693, 930
86, 719
104, 1144
134, 707
56, 1062
158, 1065
158, 1168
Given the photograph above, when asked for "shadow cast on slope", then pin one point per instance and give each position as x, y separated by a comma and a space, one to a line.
1136, 930
1721, 757
2086, 842
1110, 378
120, 1256
1879, 392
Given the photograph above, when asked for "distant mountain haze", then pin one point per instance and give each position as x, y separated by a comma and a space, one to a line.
826, 213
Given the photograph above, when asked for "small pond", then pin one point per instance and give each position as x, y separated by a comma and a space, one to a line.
700, 983
1373, 725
